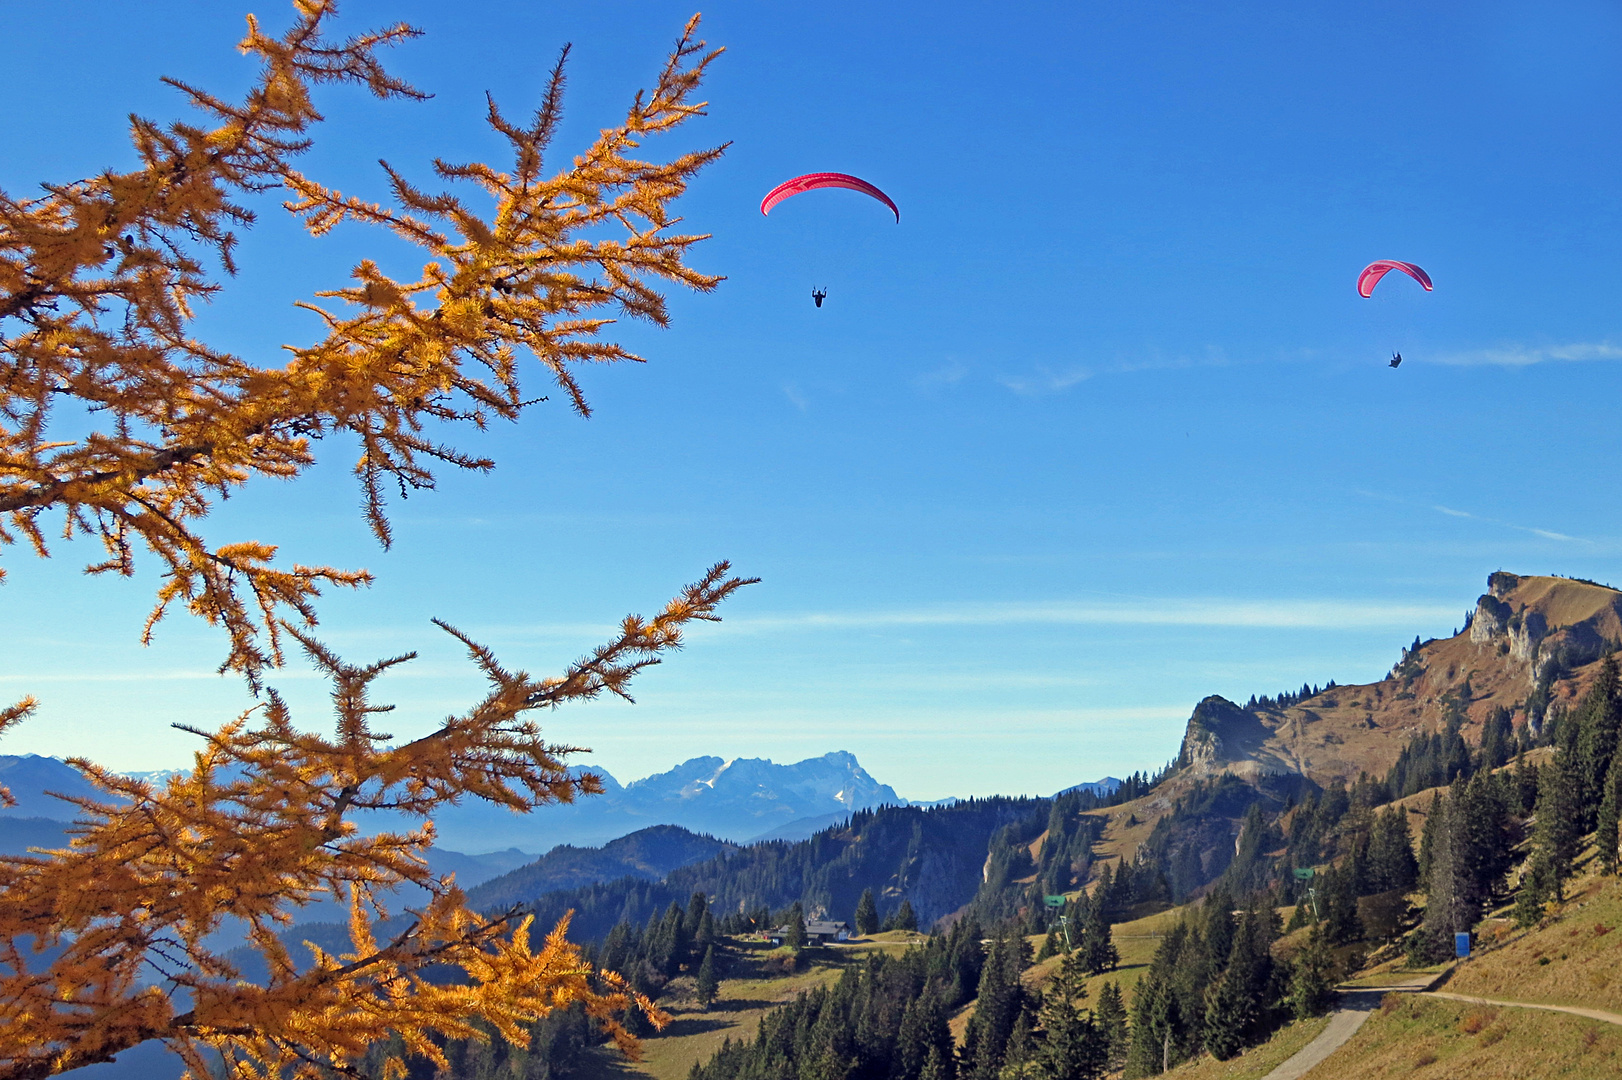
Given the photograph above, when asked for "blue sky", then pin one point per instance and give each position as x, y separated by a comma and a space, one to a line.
1101, 427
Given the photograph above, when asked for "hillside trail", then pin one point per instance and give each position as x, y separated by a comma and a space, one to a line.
1355, 1007
1591, 1014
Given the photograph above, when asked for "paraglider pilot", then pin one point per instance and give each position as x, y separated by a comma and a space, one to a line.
1396, 359
818, 296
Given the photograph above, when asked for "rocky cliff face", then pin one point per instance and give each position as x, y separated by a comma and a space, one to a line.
1222, 737
1547, 624
1525, 633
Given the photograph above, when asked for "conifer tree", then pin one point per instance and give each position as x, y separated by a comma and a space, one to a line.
1020, 1054
1606, 824
1111, 1018
1600, 717
171, 425
796, 927
1229, 1011
1098, 952
708, 984
903, 918
913, 1044
1391, 853
1557, 837
937, 1066
1312, 979
1497, 739
1427, 839
1525, 786
1533, 892
867, 914
1073, 1047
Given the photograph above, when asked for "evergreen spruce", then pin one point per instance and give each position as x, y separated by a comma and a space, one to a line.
867, 914
1312, 981
1497, 739
1229, 1012
1600, 715
1526, 782
1427, 839
708, 984
1098, 950
1391, 853
1533, 893
1073, 1047
1558, 835
1605, 828
903, 918
1111, 1019
796, 928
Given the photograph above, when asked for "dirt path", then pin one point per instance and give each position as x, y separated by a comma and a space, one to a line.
1355, 1007
1591, 1014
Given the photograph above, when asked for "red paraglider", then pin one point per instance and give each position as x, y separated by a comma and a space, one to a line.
812, 181
1374, 271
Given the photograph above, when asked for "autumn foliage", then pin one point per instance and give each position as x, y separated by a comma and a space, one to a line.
99, 280
122, 424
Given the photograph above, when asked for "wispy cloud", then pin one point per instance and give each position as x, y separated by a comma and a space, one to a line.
1051, 380
1547, 534
1280, 614
946, 375
1526, 355
796, 398
1045, 381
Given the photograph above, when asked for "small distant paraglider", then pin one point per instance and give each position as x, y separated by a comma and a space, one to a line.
813, 181
1374, 271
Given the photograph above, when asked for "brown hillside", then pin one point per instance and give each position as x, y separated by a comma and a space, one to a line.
1523, 629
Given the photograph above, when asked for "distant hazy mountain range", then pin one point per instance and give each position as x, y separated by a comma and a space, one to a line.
739, 801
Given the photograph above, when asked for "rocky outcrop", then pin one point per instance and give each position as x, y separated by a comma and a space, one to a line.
1547, 623
1491, 619
1501, 583
1222, 737
1526, 632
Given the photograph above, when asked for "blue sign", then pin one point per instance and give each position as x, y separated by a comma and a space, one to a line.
1461, 945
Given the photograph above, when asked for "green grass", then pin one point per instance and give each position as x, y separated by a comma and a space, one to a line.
696, 1033
1575, 958
1258, 1061
1426, 1038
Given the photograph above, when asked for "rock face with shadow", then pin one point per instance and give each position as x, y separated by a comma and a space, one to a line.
1224, 738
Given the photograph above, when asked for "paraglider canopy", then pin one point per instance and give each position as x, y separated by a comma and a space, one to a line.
812, 181
1374, 271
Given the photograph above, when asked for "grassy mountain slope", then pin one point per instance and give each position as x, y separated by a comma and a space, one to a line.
1433, 1039
753, 987
1532, 647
